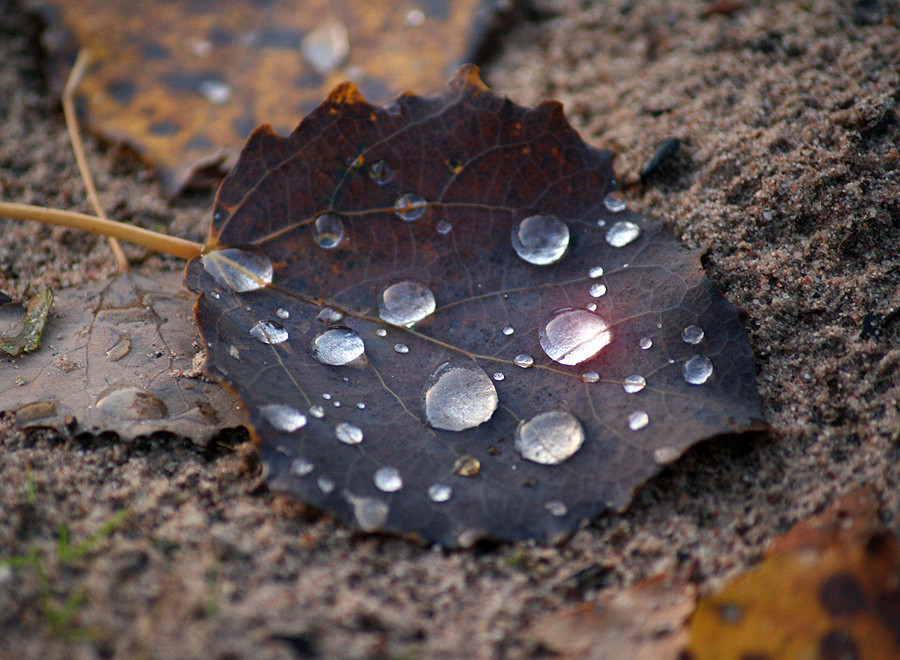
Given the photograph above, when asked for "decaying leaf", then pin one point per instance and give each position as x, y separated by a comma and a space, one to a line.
828, 589
444, 320
112, 360
28, 324
185, 82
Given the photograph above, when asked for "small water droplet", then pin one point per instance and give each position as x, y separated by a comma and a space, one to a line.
336, 404
508, 330
697, 370
301, 467
665, 455
410, 206
326, 485
556, 508
574, 336
326, 396
598, 290
337, 346
693, 334
234, 352
638, 420
240, 270
317, 411
590, 376
327, 315
283, 417
596, 271
498, 376
326, 47
388, 479
440, 492
541, 239
622, 233
381, 173
216, 91
549, 438
269, 332
348, 433
634, 384
614, 201
601, 222
361, 405
523, 360
646, 343
459, 397
381, 332
328, 230
415, 17
591, 307
401, 348
467, 466
444, 227
282, 313
405, 303
131, 402
370, 513
215, 294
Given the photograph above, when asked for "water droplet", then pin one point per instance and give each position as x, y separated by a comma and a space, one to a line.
325, 484
523, 360
337, 346
317, 411
410, 206
697, 370
215, 294
622, 233
591, 307
326, 396
234, 352
361, 405
556, 508
336, 404
388, 479
459, 397
328, 230
634, 384
508, 330
443, 227
498, 376
549, 438
370, 513
541, 239
282, 313
381, 332
440, 492
348, 433
283, 417
240, 270
574, 336
269, 332
614, 201
693, 334
646, 343
401, 348
596, 271
326, 47
590, 376
381, 173
638, 420
405, 303
131, 402
467, 466
301, 467
415, 17
665, 455
327, 315
598, 290
215, 90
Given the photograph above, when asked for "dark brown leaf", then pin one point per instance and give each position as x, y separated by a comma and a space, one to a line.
482, 165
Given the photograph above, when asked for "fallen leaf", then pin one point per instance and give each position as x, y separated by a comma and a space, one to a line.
438, 258
30, 321
184, 83
112, 359
828, 589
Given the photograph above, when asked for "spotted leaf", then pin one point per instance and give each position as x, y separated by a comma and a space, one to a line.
444, 320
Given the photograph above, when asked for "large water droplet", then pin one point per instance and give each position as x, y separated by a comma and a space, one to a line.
328, 230
131, 402
410, 206
614, 201
440, 492
403, 349
549, 438
697, 370
646, 343
388, 479
634, 384
541, 239
337, 346
269, 332
381, 173
596, 271
405, 303
598, 290
240, 270
638, 420
348, 433
459, 397
283, 417
622, 233
326, 47
370, 513
523, 360
573, 336
467, 466
693, 334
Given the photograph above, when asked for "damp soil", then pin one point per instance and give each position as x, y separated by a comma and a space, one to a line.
788, 175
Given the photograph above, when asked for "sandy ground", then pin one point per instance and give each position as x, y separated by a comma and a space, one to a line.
789, 175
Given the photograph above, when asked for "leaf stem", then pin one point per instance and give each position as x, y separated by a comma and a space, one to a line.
177, 247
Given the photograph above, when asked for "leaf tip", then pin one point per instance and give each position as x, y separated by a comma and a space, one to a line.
345, 94
468, 76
